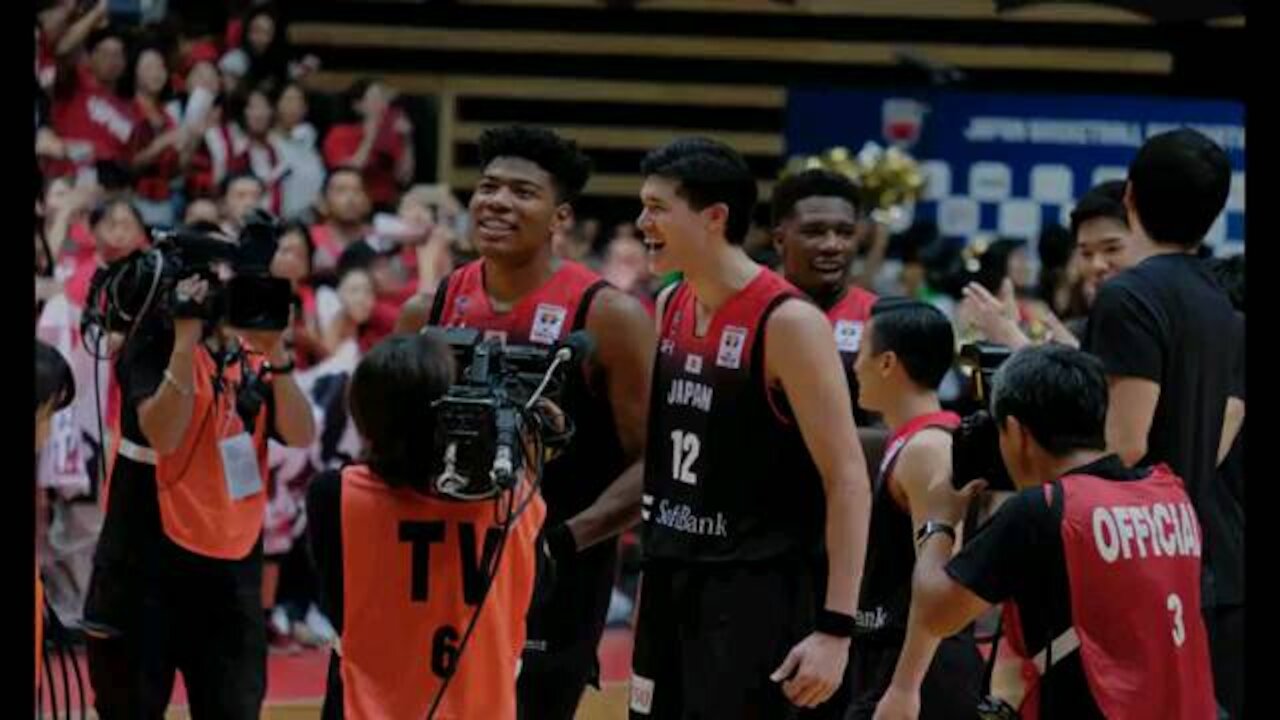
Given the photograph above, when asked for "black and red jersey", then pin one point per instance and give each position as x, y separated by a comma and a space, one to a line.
727, 474
575, 614
885, 598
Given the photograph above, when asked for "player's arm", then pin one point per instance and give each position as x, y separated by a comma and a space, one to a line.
924, 461
1131, 406
1232, 421
800, 354
624, 351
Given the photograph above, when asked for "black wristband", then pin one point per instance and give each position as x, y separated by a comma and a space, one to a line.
284, 369
830, 622
560, 542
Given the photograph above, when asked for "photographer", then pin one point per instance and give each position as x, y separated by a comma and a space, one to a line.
1098, 564
178, 569
387, 549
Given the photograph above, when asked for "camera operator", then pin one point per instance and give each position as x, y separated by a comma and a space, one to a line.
1098, 564
178, 569
388, 548
521, 292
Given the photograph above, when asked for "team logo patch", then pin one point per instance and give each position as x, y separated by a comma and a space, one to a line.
547, 322
693, 364
732, 340
641, 694
668, 346
848, 335
499, 335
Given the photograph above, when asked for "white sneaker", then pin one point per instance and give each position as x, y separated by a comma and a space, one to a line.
280, 620
320, 625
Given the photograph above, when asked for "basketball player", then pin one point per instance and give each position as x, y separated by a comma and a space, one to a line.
752, 455
519, 291
909, 349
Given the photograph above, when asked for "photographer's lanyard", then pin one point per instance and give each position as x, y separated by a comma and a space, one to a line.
239, 457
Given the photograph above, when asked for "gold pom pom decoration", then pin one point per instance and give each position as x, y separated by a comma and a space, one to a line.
886, 179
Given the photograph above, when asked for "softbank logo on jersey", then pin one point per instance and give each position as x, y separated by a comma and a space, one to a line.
547, 322
681, 518
1160, 530
732, 340
870, 620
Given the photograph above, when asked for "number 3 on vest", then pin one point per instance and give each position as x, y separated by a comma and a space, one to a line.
684, 450
1174, 605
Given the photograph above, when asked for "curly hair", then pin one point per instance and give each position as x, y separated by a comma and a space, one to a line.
560, 157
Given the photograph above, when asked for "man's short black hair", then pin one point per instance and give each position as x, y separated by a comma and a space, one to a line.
560, 157
233, 178
107, 33
919, 334
104, 208
1058, 393
341, 170
816, 182
1179, 181
391, 396
1104, 200
708, 172
54, 381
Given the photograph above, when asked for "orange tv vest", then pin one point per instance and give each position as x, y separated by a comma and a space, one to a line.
196, 508
413, 574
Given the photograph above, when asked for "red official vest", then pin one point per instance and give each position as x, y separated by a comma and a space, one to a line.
412, 578
1133, 552
543, 317
197, 511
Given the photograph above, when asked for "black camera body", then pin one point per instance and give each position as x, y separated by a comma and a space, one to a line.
144, 284
482, 420
975, 447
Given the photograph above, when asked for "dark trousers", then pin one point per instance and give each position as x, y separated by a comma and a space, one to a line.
200, 616
1226, 651
709, 637
551, 684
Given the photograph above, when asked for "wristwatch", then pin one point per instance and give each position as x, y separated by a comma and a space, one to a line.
932, 527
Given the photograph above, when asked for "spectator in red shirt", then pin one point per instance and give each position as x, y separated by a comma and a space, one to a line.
379, 142
292, 261
156, 141
94, 122
355, 292
346, 211
118, 230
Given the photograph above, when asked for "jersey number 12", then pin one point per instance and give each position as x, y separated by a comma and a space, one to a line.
684, 452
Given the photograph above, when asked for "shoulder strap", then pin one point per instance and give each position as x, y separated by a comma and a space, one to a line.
584, 304
437, 302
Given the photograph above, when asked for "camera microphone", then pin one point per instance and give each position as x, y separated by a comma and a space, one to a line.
577, 346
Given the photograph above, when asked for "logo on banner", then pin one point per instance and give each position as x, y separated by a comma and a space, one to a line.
547, 321
902, 119
732, 340
848, 335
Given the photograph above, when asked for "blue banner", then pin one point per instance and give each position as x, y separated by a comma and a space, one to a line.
1013, 164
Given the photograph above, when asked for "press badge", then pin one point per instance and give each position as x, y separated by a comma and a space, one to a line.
240, 466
